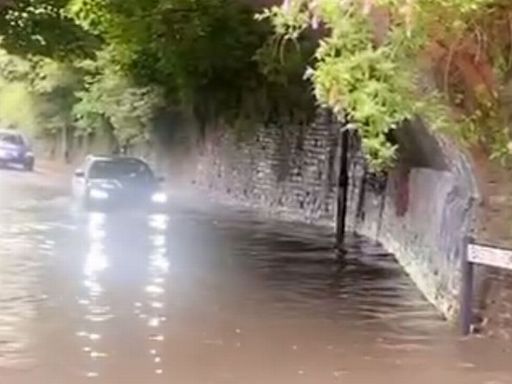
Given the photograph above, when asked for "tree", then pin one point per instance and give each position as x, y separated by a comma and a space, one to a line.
43, 28
111, 101
211, 59
202, 53
37, 94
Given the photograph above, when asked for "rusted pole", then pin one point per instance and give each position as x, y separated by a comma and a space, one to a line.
343, 184
466, 301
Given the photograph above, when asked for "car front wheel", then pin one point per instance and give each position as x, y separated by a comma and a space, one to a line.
29, 165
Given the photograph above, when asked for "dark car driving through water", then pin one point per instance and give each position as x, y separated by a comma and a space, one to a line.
15, 150
106, 182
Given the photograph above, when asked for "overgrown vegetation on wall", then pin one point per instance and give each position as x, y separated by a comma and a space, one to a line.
383, 61
92, 65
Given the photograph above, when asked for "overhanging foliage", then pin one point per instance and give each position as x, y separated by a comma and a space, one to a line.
375, 55
211, 58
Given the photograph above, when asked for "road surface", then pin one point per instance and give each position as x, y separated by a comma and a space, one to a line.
208, 295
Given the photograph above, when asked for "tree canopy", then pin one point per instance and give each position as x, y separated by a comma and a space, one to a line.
211, 58
376, 62
42, 27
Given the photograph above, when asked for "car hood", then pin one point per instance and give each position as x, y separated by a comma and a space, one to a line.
122, 184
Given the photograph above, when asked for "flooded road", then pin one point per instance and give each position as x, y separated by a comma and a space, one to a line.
201, 296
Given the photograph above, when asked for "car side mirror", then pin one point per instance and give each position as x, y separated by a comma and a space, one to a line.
79, 174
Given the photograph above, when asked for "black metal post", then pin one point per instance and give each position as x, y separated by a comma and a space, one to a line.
466, 304
343, 184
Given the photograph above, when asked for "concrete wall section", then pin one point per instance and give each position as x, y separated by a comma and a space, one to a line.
422, 218
286, 172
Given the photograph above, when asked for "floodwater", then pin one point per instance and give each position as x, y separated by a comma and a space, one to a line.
209, 295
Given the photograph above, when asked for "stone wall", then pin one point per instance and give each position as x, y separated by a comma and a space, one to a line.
288, 172
420, 212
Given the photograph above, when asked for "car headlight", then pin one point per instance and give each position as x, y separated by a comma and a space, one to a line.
98, 194
159, 198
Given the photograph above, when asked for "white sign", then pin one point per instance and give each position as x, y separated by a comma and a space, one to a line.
493, 257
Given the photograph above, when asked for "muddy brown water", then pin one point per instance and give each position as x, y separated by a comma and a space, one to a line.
211, 296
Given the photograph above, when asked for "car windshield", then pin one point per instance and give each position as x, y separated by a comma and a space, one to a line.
11, 138
113, 169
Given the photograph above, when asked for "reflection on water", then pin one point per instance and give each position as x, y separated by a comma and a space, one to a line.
188, 298
95, 301
22, 247
158, 268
